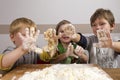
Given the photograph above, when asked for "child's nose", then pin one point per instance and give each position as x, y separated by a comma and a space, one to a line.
98, 27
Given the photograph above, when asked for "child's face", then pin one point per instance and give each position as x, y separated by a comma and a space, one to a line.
65, 38
16, 39
101, 24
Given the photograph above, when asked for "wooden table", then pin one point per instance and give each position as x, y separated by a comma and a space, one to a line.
19, 71
113, 72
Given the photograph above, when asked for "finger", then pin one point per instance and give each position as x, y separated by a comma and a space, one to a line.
69, 47
81, 50
45, 35
75, 56
32, 31
108, 34
71, 51
99, 34
102, 35
38, 50
50, 32
55, 37
21, 36
59, 35
27, 32
37, 34
72, 48
77, 49
73, 28
54, 32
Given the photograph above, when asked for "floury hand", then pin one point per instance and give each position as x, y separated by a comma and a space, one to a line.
29, 40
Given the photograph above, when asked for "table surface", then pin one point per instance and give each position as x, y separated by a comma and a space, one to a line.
19, 71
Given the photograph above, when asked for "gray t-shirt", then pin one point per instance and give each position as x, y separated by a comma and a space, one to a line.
28, 58
105, 57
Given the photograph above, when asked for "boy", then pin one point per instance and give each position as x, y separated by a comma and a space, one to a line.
23, 34
102, 22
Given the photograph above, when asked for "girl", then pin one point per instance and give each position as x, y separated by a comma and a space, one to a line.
67, 51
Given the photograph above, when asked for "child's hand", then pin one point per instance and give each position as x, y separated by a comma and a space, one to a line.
70, 31
74, 37
29, 40
104, 38
79, 51
70, 51
52, 38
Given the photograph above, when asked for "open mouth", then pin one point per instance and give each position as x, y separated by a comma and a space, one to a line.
65, 37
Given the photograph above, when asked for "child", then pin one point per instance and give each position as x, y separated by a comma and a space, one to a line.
103, 22
67, 51
23, 34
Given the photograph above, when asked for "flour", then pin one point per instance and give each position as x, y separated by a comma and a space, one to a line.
66, 72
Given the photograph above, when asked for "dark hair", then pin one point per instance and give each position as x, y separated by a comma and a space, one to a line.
103, 13
60, 24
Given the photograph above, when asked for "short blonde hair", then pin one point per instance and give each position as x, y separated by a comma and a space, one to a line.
20, 23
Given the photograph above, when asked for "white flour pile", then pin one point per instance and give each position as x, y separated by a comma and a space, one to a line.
66, 72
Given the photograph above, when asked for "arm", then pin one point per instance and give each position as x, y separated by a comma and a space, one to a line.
79, 39
116, 46
44, 56
10, 58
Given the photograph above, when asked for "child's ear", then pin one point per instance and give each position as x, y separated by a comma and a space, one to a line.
11, 37
112, 27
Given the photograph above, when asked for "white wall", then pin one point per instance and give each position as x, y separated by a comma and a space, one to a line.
53, 11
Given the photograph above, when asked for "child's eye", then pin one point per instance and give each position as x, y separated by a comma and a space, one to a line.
61, 31
102, 24
93, 25
23, 35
